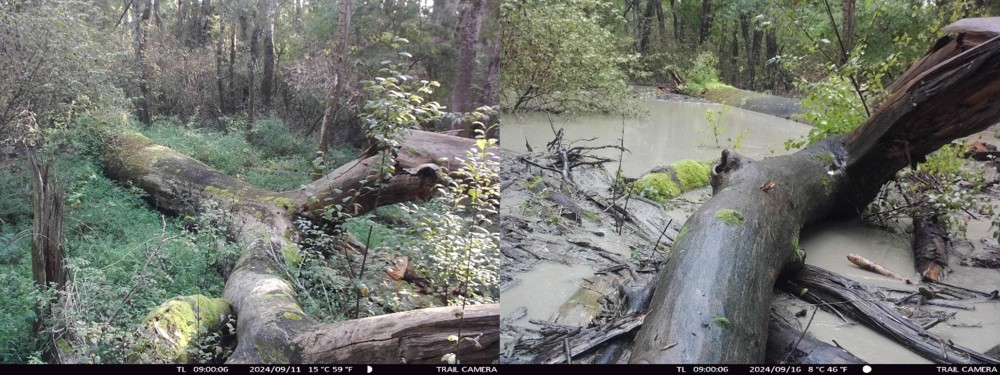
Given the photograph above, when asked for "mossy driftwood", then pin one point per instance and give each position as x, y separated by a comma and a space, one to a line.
730, 252
272, 328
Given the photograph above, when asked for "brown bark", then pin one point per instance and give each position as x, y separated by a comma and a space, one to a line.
847, 29
461, 97
725, 261
47, 252
278, 331
930, 248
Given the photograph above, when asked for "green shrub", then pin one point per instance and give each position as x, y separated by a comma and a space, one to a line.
272, 138
124, 259
703, 74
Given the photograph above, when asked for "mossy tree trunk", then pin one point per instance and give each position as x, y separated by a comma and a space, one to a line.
712, 295
272, 328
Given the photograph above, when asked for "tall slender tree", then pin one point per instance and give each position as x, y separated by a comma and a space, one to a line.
472, 21
141, 10
267, 81
334, 98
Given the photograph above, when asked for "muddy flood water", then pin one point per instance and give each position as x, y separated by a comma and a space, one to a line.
676, 130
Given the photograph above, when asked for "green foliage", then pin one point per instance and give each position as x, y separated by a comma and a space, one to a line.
397, 103
124, 259
456, 245
714, 119
721, 321
836, 105
798, 254
703, 74
56, 62
276, 160
272, 139
940, 186
558, 56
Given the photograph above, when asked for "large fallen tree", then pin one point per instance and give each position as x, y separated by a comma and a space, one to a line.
712, 296
271, 326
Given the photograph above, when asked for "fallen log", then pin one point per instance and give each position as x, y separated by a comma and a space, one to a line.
272, 328
858, 301
788, 345
931, 246
870, 266
726, 258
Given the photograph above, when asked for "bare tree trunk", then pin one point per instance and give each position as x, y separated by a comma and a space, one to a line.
181, 17
676, 22
47, 252
660, 21
333, 99
267, 82
253, 49
219, 56
713, 294
156, 14
140, 13
646, 25
461, 98
203, 17
491, 93
230, 102
706, 21
753, 58
847, 33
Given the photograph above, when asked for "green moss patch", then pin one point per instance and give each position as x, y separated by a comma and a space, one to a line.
657, 186
292, 256
731, 217
182, 319
677, 178
292, 316
692, 174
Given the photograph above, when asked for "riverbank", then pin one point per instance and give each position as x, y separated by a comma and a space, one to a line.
777, 106
566, 263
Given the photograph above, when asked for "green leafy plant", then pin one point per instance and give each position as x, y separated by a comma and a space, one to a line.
457, 248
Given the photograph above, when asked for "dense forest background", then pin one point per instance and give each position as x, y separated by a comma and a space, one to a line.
273, 92
836, 54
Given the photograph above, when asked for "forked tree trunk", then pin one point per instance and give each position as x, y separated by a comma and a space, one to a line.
727, 256
272, 328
